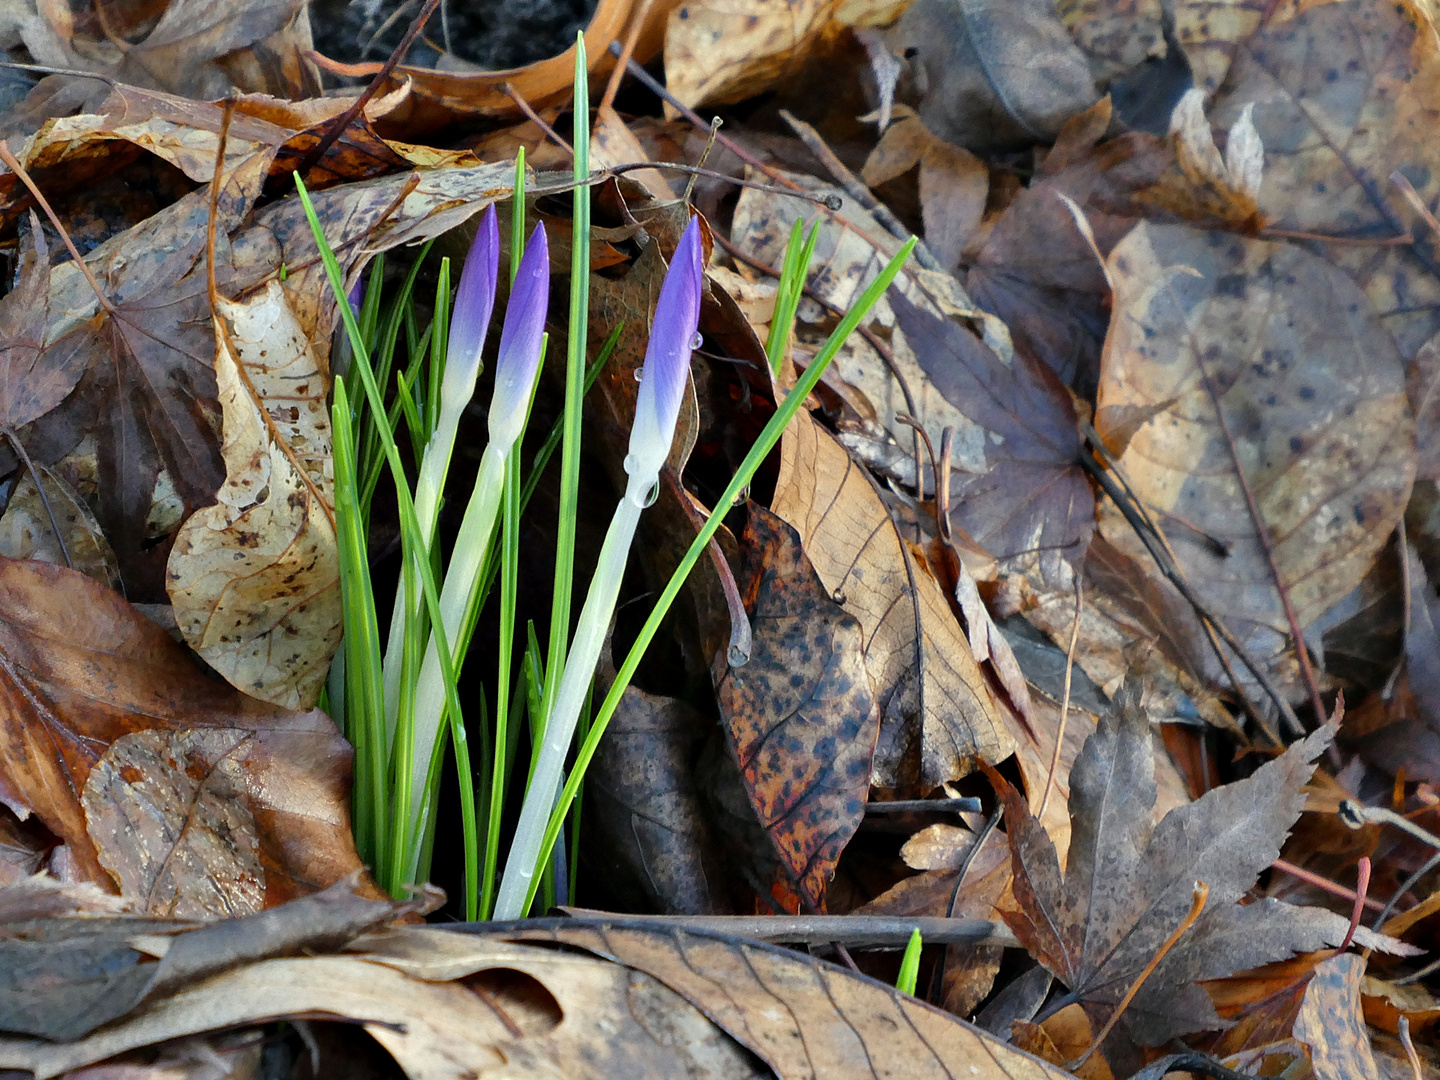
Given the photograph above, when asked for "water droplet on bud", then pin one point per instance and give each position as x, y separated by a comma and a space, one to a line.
697, 340
639, 374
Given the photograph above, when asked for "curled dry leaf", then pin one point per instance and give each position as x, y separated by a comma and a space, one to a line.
936, 711
1311, 390
800, 714
445, 1006
995, 73
63, 976
80, 669
255, 578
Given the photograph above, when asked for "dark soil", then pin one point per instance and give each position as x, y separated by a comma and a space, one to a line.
491, 33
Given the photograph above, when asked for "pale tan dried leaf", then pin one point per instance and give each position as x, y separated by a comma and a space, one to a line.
936, 710
851, 250
720, 51
255, 578
27, 532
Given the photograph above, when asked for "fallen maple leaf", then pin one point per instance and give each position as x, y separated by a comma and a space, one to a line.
1128, 882
1034, 499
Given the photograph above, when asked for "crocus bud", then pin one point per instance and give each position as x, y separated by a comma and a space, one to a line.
667, 363
520, 342
356, 296
474, 301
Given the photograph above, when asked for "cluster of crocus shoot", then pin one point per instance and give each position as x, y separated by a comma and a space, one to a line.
662, 386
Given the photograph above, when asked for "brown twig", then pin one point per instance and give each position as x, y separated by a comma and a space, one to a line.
857, 190
1172, 573
637, 23
538, 120
1323, 884
335, 128
1065, 697
1362, 886
856, 931
1197, 905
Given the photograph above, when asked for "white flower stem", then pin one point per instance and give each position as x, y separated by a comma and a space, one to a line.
461, 576
584, 653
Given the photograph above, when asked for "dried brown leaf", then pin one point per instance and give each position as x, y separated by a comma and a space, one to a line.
1129, 882
1312, 393
255, 578
645, 824
63, 976
1033, 502
80, 669
800, 714
803, 1017
1343, 94
936, 711
996, 73
27, 532
1332, 1025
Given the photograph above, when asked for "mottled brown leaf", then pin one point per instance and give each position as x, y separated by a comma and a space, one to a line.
936, 711
1033, 500
1311, 390
800, 715
27, 531
80, 669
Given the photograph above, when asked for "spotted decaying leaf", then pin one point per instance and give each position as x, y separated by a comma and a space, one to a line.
1345, 94
800, 715
255, 578
936, 712
1282, 348
80, 670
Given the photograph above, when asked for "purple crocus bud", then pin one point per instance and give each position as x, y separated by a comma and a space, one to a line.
667, 363
474, 301
357, 296
520, 342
